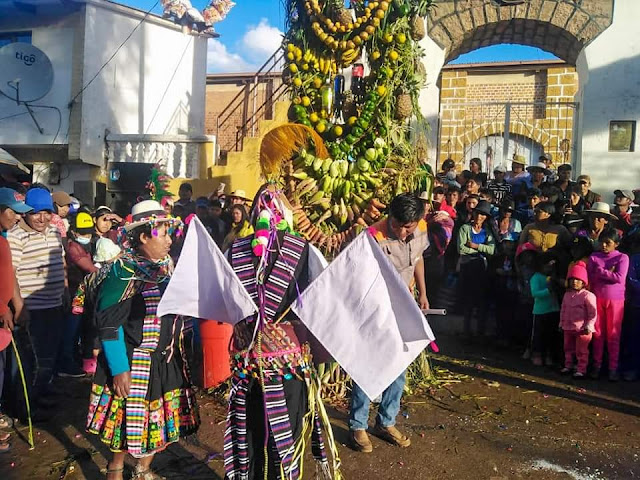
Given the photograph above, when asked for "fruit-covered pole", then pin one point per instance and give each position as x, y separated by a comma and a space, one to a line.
355, 76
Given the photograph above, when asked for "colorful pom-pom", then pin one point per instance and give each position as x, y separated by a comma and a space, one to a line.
259, 250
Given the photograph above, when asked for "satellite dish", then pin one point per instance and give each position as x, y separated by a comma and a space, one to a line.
26, 73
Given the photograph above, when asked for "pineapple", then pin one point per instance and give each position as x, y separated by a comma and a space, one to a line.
404, 107
418, 31
339, 13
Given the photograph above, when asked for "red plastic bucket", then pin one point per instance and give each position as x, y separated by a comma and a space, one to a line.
215, 338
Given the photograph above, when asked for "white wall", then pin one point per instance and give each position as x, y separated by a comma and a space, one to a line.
155, 84
609, 70
56, 41
429, 100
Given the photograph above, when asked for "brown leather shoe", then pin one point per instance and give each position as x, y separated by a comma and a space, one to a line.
392, 435
360, 441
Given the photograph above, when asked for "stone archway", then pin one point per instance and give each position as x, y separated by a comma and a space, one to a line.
566, 28
562, 27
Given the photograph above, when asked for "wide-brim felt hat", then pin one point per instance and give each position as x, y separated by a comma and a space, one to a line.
145, 212
601, 208
483, 208
539, 166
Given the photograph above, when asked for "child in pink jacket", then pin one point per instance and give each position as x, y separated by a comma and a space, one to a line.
578, 316
607, 271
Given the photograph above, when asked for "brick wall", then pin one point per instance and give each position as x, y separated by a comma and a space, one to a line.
473, 105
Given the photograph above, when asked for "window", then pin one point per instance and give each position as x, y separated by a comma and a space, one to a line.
622, 135
12, 37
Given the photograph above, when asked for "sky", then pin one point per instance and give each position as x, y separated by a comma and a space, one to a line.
253, 31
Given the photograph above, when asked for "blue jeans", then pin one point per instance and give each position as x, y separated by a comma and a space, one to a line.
387, 410
70, 336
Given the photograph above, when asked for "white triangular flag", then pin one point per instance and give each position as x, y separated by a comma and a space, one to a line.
203, 284
362, 312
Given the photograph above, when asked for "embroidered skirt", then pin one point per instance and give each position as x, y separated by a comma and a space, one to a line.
167, 413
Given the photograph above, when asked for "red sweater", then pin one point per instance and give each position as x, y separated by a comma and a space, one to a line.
7, 276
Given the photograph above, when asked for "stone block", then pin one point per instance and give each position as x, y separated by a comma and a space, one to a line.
556, 70
554, 91
445, 83
447, 93
466, 20
577, 22
568, 79
491, 12
459, 82
570, 90
453, 26
439, 35
534, 9
477, 12
562, 14
546, 12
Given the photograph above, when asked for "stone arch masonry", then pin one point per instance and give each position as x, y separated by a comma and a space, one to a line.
562, 27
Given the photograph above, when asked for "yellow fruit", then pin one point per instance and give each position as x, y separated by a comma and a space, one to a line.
297, 82
321, 127
401, 38
337, 130
317, 83
380, 14
384, 6
306, 101
315, 25
375, 55
290, 56
388, 38
293, 68
342, 45
350, 26
313, 118
297, 101
334, 45
393, 55
305, 66
364, 36
370, 29
291, 47
350, 45
298, 52
357, 40
323, 114
381, 90
375, 22
352, 121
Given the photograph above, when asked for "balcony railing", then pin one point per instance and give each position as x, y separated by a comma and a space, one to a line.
181, 155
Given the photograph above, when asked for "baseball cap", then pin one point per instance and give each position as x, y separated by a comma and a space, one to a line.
624, 193
84, 223
39, 199
12, 199
101, 210
61, 198
500, 168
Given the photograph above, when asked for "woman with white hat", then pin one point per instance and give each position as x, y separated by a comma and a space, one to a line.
143, 415
598, 218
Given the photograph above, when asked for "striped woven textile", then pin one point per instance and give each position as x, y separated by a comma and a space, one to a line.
137, 411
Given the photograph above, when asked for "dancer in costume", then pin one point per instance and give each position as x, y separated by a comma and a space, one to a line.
275, 401
141, 400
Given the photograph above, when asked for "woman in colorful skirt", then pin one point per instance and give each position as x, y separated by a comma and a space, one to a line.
141, 400
275, 402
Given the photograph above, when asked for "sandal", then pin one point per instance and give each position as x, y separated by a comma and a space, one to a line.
147, 474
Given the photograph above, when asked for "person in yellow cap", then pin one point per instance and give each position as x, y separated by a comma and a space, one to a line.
80, 252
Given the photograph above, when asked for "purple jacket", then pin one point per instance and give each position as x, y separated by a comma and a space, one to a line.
605, 283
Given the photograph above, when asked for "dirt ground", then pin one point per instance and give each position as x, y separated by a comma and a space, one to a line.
498, 418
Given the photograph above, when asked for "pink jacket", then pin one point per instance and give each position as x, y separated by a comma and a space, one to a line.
608, 274
578, 311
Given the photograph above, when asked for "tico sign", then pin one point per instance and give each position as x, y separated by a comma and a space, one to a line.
26, 73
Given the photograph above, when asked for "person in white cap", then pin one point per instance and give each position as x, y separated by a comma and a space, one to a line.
623, 210
141, 399
499, 187
537, 173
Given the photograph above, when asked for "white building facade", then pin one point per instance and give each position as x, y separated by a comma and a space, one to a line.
116, 72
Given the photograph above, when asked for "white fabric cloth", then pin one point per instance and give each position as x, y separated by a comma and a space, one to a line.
203, 284
364, 315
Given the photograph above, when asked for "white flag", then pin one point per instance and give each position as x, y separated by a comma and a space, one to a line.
362, 312
203, 284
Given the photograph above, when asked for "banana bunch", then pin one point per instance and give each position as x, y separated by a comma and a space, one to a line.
333, 381
327, 66
349, 56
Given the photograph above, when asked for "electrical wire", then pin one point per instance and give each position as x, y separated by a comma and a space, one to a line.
114, 54
51, 107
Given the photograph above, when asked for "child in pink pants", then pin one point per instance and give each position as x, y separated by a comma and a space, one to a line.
578, 316
607, 271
